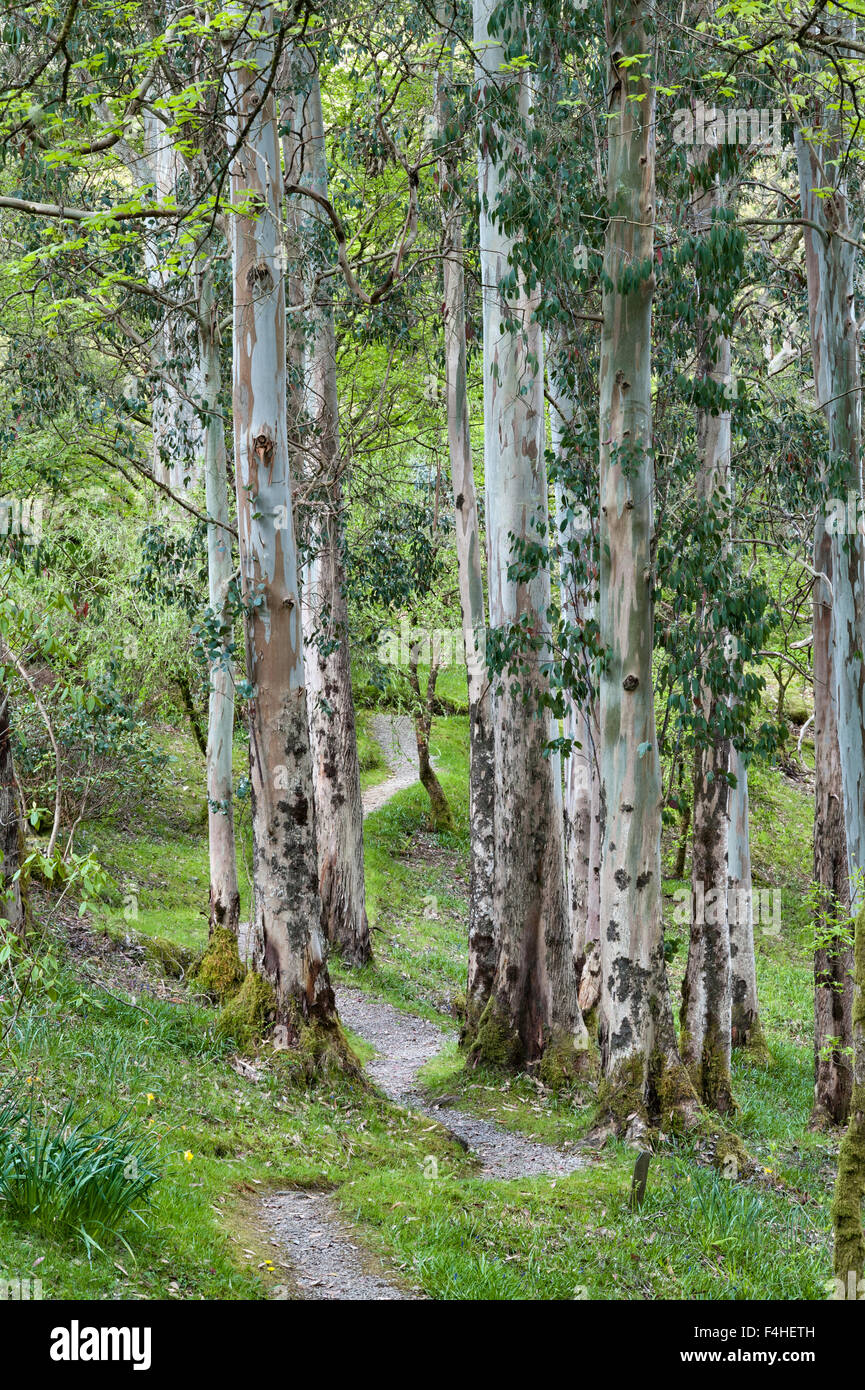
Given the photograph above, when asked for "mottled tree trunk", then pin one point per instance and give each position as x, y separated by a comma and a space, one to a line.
706, 990
333, 733
482, 927
288, 948
533, 1002
643, 1073
746, 1031
830, 258
833, 849
224, 894
582, 780
12, 906
833, 958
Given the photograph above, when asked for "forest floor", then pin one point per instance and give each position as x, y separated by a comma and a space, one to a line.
384, 1162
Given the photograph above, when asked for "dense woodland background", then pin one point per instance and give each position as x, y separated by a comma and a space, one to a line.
432, 580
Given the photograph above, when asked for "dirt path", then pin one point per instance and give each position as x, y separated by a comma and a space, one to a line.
395, 735
327, 1257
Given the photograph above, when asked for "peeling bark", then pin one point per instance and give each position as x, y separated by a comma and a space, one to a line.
643, 1074
288, 947
532, 1007
333, 734
482, 927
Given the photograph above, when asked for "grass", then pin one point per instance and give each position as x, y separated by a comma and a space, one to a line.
147, 1050
66, 1177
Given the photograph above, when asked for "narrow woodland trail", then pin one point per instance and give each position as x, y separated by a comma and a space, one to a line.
326, 1255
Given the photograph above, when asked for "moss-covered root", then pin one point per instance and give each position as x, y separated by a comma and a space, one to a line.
308, 1050
492, 1041
248, 1014
850, 1182
220, 972
636, 1097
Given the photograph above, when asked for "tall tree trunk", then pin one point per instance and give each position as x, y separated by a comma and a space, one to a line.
532, 1009
847, 1206
746, 1031
288, 948
706, 991
482, 924
224, 894
833, 862
333, 733
643, 1074
830, 258
12, 906
582, 781
833, 957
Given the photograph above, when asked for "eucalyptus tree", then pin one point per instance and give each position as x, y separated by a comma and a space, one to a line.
577, 576
832, 230
533, 1006
336, 770
707, 988
828, 257
832, 226
643, 1072
288, 947
482, 934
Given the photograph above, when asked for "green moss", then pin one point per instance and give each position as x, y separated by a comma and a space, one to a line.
319, 1052
246, 1015
563, 1062
493, 1042
850, 1182
662, 1096
715, 1085
173, 959
755, 1047
674, 1097
731, 1157
221, 973
623, 1094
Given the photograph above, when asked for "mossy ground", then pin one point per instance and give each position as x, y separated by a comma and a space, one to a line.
228, 1129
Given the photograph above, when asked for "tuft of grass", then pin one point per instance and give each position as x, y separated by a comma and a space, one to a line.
68, 1178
